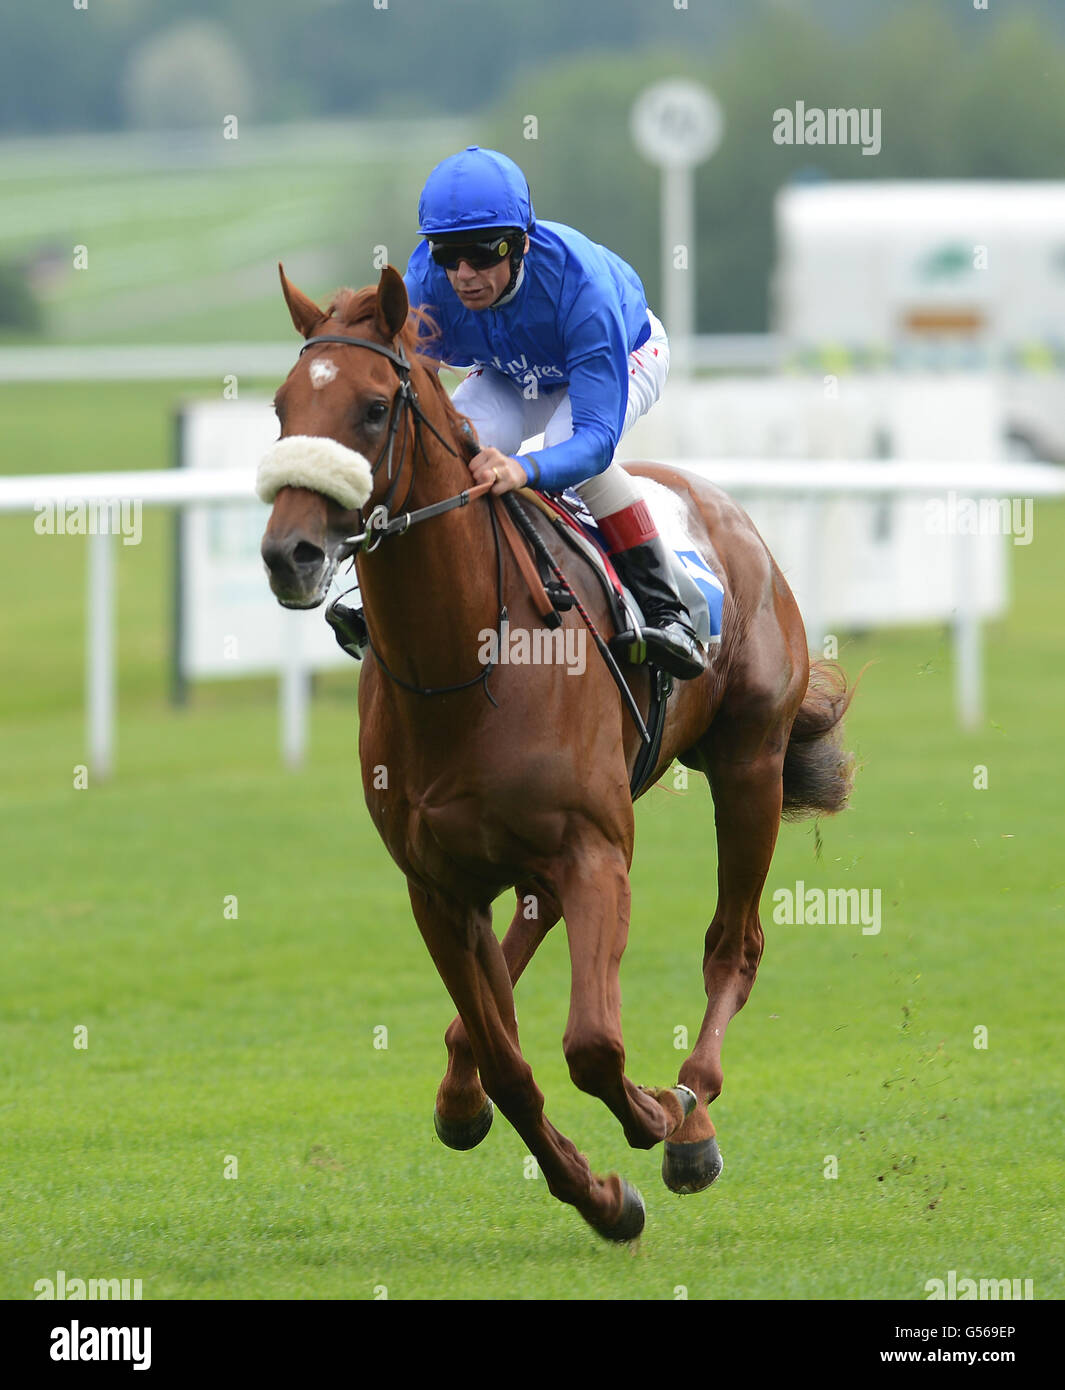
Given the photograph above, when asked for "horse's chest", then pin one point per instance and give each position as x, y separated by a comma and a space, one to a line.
456, 835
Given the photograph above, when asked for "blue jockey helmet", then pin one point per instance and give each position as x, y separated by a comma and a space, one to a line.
474, 191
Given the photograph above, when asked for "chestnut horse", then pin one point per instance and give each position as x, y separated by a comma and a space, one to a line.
516, 777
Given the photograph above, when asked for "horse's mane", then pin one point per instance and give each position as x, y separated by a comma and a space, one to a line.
354, 307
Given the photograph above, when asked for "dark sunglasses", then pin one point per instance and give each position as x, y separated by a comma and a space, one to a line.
481, 255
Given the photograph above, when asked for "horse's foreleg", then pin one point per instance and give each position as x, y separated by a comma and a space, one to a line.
463, 1113
474, 970
747, 803
594, 890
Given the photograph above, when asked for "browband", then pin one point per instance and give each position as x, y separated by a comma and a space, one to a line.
398, 358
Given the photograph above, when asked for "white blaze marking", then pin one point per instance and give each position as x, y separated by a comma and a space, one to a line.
323, 370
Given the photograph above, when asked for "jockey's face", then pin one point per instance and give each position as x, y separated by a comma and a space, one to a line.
479, 289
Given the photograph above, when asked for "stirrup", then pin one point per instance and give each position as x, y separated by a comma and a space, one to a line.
671, 647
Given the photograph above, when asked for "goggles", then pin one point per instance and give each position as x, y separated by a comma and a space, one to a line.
480, 255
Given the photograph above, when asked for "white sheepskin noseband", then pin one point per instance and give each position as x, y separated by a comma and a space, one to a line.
323, 465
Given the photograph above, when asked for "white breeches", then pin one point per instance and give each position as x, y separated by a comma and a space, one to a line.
505, 419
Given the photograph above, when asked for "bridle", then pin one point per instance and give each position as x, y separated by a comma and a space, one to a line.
381, 524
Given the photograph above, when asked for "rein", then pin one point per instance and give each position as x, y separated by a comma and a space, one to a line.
381, 523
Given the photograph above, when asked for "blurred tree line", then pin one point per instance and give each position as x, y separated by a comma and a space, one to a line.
81, 65
964, 93
991, 107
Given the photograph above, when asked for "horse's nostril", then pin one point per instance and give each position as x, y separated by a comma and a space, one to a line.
284, 560
274, 556
307, 554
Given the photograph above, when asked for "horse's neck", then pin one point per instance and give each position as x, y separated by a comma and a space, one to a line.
429, 593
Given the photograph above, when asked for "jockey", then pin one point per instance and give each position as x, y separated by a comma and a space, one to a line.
559, 341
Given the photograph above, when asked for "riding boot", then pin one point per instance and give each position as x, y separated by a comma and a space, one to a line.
349, 628
669, 636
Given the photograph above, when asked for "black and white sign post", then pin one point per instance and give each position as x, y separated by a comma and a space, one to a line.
677, 125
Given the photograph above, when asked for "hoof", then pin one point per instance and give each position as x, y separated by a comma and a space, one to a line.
691, 1167
633, 1215
464, 1134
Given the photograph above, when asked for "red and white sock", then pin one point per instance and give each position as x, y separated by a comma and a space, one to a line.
633, 525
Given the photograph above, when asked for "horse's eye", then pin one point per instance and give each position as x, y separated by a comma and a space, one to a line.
376, 412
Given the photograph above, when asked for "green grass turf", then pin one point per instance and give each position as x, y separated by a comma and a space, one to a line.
182, 239
212, 1038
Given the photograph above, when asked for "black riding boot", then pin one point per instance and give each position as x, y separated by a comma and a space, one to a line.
669, 636
349, 628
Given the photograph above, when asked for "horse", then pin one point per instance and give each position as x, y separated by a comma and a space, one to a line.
504, 778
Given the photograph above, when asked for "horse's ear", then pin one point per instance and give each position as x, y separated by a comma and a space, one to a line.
392, 303
306, 315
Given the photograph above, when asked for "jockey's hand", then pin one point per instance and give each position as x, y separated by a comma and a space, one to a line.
506, 472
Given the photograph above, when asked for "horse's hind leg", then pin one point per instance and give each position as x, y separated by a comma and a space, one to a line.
744, 764
463, 1113
471, 964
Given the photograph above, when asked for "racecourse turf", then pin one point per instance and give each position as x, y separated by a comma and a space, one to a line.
235, 1127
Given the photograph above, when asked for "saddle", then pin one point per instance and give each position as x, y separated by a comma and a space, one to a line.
700, 589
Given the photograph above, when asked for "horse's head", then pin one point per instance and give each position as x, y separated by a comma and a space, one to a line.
338, 411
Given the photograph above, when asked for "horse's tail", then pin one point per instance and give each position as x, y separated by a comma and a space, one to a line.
818, 771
